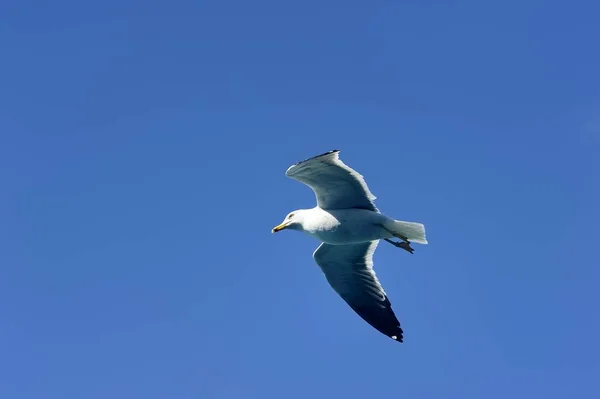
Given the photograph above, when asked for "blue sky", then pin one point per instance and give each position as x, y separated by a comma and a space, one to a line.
143, 147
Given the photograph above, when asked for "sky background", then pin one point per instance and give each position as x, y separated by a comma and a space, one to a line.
143, 146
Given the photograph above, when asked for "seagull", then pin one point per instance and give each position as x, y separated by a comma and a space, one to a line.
349, 227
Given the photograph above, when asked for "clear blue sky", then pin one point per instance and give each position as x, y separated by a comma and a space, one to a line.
143, 147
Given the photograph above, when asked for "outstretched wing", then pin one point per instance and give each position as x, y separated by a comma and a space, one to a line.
349, 271
336, 185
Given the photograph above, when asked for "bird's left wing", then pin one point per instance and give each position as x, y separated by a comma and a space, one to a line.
335, 184
349, 271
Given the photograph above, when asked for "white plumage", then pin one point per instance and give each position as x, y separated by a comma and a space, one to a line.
349, 225
336, 185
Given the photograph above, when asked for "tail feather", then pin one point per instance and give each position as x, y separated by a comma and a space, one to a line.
414, 232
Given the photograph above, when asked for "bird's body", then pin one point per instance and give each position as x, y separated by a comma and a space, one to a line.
349, 225
345, 226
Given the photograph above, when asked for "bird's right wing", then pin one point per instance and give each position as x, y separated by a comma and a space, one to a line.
349, 271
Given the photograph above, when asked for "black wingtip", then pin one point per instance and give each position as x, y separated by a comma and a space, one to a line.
398, 335
387, 325
317, 156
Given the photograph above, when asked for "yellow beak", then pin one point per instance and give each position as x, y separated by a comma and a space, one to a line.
279, 227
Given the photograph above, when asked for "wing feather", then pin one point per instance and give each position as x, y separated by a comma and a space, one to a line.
349, 271
335, 184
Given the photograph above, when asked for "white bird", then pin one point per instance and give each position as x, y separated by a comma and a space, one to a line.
349, 225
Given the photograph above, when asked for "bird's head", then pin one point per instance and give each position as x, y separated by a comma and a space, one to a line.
292, 221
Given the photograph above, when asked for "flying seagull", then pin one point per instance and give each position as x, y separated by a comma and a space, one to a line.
349, 226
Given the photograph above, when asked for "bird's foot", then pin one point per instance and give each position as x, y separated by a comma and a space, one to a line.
400, 236
405, 245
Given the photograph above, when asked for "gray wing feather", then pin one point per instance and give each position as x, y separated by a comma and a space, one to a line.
349, 271
336, 185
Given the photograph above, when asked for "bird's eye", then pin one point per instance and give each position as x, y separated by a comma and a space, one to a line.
290, 215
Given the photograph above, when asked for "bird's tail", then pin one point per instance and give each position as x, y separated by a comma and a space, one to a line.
414, 232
